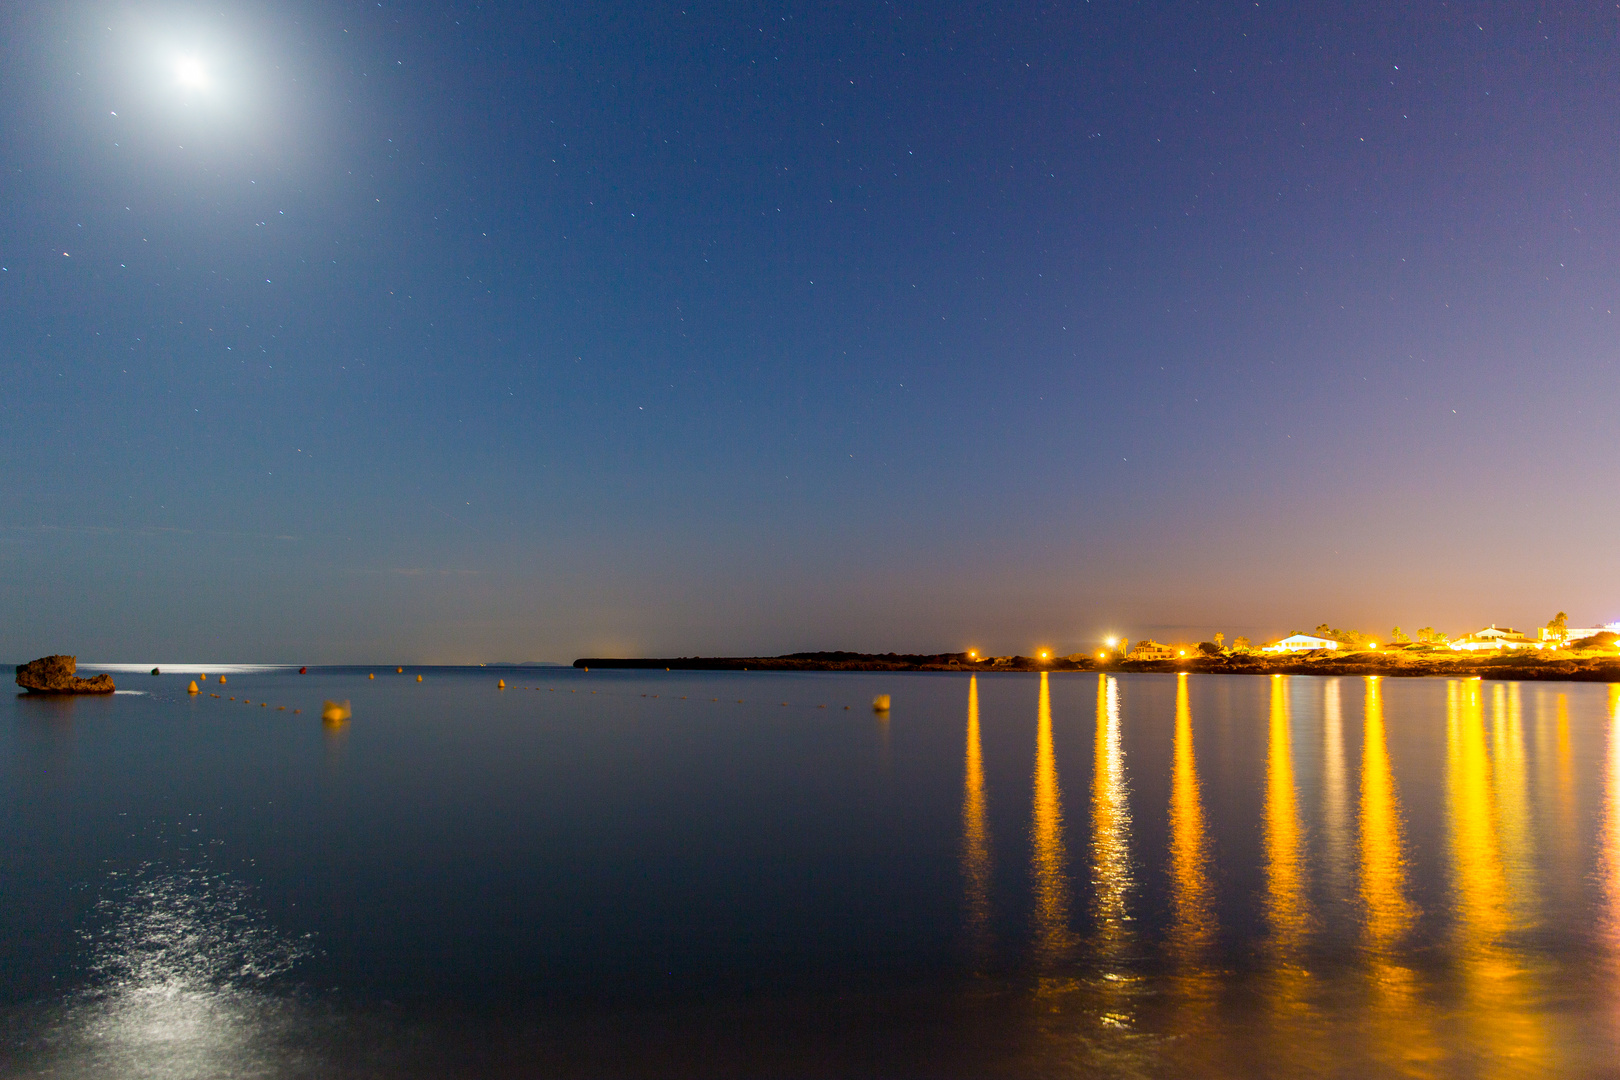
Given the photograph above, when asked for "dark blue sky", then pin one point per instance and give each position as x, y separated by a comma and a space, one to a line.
452, 332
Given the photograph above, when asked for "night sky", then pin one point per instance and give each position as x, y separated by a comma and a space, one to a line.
450, 332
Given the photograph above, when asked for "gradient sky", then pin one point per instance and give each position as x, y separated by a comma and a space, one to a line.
522, 331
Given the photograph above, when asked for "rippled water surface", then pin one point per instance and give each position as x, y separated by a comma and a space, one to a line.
731, 874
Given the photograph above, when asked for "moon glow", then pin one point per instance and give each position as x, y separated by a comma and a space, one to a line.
190, 73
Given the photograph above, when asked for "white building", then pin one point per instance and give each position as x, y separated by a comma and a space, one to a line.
1148, 649
1494, 637
1576, 633
1300, 643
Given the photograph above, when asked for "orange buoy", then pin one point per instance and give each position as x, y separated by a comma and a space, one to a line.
400, 670
303, 671
373, 675
419, 678
192, 689
501, 685
222, 680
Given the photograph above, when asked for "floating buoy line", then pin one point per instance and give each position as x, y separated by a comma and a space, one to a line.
882, 708
339, 712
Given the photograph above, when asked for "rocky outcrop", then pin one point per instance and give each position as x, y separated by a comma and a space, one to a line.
54, 675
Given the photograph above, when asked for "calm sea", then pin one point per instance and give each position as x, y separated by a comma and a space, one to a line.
731, 874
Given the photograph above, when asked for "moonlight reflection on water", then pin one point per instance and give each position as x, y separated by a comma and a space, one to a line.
179, 965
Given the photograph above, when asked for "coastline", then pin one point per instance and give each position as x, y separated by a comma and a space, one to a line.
1393, 663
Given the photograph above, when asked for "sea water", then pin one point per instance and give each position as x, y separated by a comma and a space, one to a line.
754, 874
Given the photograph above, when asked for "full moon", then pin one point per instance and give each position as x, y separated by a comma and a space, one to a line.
191, 73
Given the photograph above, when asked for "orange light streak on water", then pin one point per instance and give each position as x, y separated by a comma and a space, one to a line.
1285, 899
1194, 924
1049, 855
976, 864
1111, 856
1609, 840
1504, 1032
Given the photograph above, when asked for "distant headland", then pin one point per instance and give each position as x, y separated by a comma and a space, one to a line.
1395, 662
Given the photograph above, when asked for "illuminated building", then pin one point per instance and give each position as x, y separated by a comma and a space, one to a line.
1300, 643
1493, 637
1147, 649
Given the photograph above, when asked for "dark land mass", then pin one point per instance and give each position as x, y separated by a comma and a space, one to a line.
1574, 667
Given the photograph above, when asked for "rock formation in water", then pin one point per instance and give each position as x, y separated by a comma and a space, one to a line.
54, 675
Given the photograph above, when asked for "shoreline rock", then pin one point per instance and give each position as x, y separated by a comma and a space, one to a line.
55, 675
